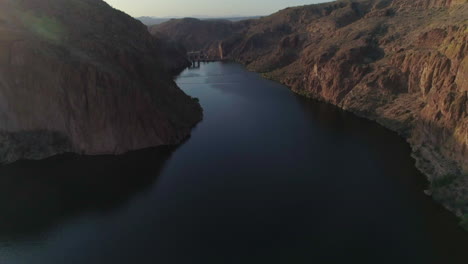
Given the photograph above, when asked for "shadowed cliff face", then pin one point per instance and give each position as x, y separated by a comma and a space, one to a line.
79, 76
197, 34
402, 63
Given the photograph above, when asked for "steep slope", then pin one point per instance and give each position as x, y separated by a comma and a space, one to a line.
196, 34
402, 63
79, 76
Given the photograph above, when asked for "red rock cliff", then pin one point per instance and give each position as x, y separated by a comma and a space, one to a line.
402, 63
80, 76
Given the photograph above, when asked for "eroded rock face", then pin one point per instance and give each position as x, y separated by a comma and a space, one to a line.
79, 76
402, 63
196, 34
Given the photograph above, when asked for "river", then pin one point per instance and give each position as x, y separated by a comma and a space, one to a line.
266, 177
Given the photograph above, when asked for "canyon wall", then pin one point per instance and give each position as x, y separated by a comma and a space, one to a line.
80, 76
401, 63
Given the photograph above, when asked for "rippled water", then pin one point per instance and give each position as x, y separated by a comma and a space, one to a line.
267, 177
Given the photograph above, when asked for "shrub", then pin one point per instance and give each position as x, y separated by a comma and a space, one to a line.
464, 222
443, 181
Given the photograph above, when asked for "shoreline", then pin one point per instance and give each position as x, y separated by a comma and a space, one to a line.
418, 158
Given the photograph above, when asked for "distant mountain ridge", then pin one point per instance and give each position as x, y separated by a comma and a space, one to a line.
149, 21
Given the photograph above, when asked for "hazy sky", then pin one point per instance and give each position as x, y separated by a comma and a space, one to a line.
168, 8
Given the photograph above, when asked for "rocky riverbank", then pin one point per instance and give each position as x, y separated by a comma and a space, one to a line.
401, 63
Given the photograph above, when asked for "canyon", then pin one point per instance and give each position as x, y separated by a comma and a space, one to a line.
101, 161
401, 63
80, 76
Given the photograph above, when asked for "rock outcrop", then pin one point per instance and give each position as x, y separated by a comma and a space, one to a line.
402, 63
80, 76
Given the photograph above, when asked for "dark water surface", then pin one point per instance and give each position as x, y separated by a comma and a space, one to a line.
267, 177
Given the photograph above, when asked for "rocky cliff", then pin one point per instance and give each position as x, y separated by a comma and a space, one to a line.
402, 63
196, 34
80, 76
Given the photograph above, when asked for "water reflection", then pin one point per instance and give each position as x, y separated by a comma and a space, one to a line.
36, 195
267, 177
